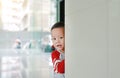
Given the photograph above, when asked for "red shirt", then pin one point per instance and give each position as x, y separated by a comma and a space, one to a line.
58, 62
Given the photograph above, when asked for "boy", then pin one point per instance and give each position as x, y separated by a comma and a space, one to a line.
58, 55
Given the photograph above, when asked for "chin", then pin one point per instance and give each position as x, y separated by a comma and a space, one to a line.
59, 49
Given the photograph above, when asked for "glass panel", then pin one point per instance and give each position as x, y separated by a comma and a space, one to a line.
27, 15
25, 43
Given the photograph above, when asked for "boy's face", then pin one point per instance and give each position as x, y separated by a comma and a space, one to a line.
58, 38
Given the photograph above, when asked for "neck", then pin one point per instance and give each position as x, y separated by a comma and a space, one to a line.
61, 51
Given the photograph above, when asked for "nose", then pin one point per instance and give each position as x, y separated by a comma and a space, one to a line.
58, 40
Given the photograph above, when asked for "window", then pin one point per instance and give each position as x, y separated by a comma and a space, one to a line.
27, 15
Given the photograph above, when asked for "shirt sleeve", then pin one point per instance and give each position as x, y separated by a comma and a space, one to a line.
58, 64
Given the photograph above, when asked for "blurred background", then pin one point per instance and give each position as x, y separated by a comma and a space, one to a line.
25, 43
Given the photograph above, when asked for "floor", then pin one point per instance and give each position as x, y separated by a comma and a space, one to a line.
25, 64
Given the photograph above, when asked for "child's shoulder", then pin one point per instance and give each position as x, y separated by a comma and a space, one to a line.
55, 52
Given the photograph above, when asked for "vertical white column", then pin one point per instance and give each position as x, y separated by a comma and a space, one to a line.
86, 38
114, 39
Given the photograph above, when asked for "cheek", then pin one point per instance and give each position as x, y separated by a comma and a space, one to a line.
53, 43
63, 42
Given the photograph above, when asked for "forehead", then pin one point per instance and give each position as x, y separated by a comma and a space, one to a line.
57, 31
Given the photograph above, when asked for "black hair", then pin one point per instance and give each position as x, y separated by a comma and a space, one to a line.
58, 25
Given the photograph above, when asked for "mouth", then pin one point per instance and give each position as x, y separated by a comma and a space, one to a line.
59, 46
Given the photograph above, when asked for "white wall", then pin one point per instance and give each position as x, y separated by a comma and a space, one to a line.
92, 38
114, 39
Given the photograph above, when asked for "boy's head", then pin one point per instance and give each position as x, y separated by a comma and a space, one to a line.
58, 39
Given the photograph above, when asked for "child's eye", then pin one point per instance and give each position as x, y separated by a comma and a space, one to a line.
61, 37
53, 38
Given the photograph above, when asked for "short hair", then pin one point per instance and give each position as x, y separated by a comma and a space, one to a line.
58, 25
